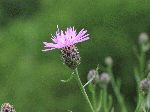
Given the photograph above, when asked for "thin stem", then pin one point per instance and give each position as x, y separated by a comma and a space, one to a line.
142, 61
94, 99
92, 88
117, 92
148, 102
69, 79
100, 101
105, 99
88, 82
140, 100
82, 89
139, 75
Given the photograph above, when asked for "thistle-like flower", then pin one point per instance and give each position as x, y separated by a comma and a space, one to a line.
105, 78
6, 107
143, 38
109, 61
93, 75
145, 85
66, 41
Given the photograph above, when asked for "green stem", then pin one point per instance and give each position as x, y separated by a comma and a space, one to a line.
82, 89
105, 99
140, 75
148, 102
94, 99
117, 92
142, 61
100, 101
140, 100
139, 97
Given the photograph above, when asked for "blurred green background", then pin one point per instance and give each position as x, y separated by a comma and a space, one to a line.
30, 79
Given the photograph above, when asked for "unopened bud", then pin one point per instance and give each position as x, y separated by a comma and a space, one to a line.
145, 85
104, 78
6, 107
109, 61
143, 38
93, 74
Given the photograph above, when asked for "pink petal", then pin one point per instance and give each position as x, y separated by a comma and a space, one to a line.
48, 49
87, 38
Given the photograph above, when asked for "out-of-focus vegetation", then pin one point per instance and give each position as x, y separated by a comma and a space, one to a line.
30, 79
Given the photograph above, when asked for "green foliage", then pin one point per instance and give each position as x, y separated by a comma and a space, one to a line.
31, 79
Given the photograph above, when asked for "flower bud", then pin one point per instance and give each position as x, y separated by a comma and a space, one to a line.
143, 38
93, 74
145, 85
109, 61
6, 107
104, 78
71, 56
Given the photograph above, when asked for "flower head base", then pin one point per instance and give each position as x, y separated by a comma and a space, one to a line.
6, 107
71, 56
66, 41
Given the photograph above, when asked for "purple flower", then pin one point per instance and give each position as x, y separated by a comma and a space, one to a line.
6, 107
145, 85
66, 38
66, 41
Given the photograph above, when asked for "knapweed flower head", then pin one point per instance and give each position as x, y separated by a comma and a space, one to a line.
66, 41
6, 107
105, 78
145, 85
109, 61
143, 38
93, 75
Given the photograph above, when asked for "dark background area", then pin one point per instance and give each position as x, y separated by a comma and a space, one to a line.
30, 79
